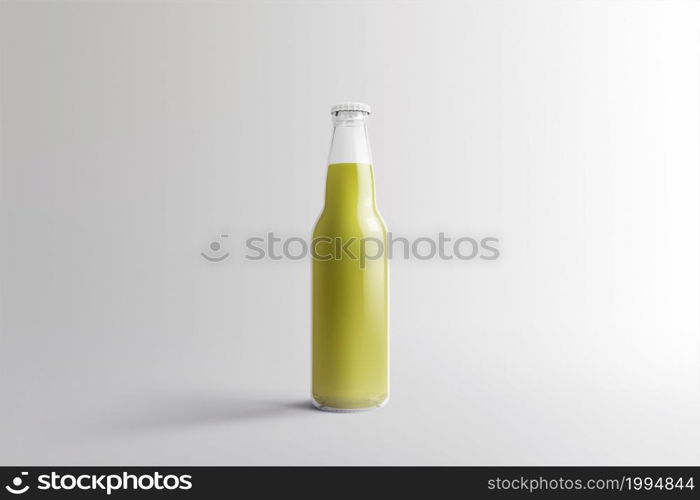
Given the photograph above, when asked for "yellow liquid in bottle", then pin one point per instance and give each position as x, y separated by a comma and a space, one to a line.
350, 330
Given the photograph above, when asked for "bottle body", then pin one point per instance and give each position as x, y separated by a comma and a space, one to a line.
350, 292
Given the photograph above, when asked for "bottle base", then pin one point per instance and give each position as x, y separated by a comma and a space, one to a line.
335, 409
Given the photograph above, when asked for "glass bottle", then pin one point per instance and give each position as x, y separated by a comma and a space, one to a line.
350, 276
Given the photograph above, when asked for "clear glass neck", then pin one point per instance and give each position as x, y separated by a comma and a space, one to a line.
350, 142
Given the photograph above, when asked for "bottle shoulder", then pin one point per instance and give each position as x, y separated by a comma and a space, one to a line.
363, 223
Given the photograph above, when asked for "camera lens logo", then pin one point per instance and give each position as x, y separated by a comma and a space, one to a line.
219, 254
16, 488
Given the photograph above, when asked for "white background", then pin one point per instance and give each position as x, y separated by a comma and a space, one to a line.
134, 134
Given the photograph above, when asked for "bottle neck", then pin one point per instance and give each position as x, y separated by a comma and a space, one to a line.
350, 142
350, 189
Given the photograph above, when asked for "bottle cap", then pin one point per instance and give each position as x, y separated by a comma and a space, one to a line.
350, 106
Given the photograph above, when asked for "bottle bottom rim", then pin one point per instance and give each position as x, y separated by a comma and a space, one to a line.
334, 409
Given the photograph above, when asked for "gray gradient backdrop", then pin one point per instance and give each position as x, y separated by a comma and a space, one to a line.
133, 134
